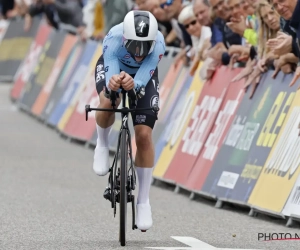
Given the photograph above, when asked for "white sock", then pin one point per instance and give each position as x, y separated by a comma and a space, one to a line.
144, 178
103, 133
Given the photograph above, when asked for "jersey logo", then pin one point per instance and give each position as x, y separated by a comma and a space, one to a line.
154, 101
151, 72
154, 84
99, 67
100, 73
127, 56
142, 25
109, 34
125, 120
105, 48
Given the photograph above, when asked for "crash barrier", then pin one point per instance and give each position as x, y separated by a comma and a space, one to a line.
210, 139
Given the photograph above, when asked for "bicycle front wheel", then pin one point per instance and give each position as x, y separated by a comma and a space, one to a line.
123, 187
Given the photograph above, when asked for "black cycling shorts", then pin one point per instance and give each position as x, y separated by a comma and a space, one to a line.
150, 98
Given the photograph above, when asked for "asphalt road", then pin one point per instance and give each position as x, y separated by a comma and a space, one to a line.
51, 199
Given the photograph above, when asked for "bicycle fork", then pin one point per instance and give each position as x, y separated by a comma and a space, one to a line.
112, 192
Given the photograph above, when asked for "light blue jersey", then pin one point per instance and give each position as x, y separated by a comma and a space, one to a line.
116, 58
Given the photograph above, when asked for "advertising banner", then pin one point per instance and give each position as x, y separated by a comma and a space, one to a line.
169, 93
292, 206
164, 65
77, 127
199, 126
15, 46
90, 70
165, 128
63, 80
210, 149
31, 60
179, 125
177, 92
245, 162
47, 88
282, 167
67, 125
269, 120
42, 69
230, 143
76, 79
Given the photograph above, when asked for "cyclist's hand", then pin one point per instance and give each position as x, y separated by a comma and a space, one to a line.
114, 83
126, 81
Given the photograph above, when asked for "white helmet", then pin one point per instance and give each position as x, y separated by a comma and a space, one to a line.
139, 31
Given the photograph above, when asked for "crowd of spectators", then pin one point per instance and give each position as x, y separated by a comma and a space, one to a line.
255, 34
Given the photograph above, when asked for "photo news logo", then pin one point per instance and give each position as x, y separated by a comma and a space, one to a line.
277, 236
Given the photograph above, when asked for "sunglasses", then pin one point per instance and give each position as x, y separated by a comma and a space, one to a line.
167, 3
191, 23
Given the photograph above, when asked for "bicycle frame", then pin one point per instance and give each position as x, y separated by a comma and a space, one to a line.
114, 178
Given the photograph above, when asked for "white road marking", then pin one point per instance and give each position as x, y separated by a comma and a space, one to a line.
194, 244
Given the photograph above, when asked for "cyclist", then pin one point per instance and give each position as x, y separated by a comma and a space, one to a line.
131, 53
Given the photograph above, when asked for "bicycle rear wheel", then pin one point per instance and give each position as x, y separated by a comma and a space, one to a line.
123, 187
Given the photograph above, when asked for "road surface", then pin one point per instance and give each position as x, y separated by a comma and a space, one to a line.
51, 199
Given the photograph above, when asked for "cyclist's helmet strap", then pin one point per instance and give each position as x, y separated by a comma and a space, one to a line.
140, 31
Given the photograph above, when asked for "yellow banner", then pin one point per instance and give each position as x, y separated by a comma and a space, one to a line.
282, 167
179, 128
69, 110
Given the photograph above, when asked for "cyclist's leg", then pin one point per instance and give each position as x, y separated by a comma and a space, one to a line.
104, 122
144, 122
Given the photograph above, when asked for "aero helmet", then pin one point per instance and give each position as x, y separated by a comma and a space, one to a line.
139, 32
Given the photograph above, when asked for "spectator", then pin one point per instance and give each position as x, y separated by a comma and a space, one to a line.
223, 14
289, 42
154, 7
58, 12
99, 25
269, 25
203, 15
7, 6
11, 9
172, 9
241, 21
201, 35
166, 26
114, 12
201, 10
89, 15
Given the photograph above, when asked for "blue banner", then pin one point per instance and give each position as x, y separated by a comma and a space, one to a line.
77, 77
62, 82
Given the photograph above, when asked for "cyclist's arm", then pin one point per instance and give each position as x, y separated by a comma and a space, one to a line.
149, 65
111, 62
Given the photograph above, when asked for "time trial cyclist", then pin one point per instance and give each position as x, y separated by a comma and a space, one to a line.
131, 53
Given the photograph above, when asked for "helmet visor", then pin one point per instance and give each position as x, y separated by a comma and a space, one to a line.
139, 48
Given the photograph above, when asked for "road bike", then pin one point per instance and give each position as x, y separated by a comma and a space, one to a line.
122, 179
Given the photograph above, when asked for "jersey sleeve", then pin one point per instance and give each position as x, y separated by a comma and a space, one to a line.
150, 63
111, 45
